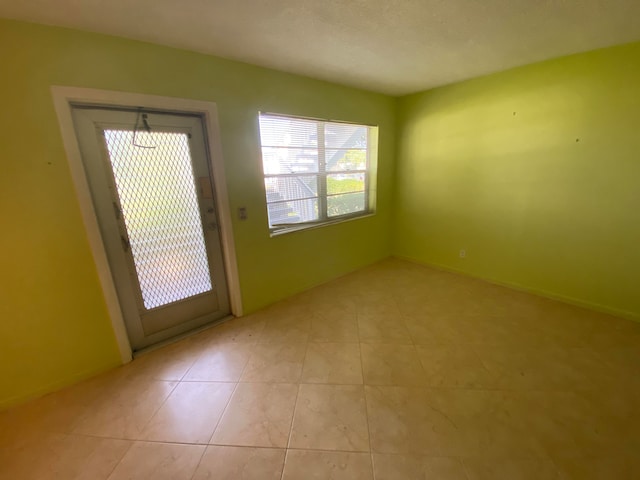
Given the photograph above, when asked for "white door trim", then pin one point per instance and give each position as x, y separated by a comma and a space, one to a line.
63, 98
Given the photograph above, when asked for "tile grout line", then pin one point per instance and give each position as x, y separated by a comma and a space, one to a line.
366, 411
198, 357
413, 343
195, 470
155, 412
295, 405
224, 410
293, 416
177, 383
219, 420
402, 319
235, 389
366, 403
120, 461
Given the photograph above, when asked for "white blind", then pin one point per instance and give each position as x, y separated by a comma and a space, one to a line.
314, 170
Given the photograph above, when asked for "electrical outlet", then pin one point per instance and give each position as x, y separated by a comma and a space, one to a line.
242, 213
463, 253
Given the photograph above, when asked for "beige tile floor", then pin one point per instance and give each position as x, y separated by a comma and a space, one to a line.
394, 372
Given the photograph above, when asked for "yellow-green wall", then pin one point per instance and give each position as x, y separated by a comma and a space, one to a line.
535, 172
54, 327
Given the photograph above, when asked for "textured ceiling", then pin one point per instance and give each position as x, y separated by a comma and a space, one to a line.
390, 46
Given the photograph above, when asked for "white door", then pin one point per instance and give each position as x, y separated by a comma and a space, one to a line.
153, 194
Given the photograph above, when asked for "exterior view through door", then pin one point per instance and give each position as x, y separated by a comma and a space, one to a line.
152, 191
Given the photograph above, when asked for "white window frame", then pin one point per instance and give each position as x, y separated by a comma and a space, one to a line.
322, 174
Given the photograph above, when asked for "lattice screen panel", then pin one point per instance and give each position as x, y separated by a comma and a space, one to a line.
159, 204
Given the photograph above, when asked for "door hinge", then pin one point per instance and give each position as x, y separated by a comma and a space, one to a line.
117, 210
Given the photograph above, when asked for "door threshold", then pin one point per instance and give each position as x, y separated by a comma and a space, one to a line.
182, 336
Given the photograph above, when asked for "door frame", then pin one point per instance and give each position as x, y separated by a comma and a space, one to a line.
64, 98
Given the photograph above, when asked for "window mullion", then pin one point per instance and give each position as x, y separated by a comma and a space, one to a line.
367, 200
322, 173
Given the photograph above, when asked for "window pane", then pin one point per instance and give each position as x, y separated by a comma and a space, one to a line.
342, 135
344, 160
302, 176
344, 204
160, 208
288, 132
290, 188
289, 160
345, 183
292, 212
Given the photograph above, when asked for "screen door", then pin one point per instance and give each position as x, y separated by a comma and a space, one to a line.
153, 193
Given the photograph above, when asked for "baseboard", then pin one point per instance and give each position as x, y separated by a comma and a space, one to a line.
16, 400
534, 291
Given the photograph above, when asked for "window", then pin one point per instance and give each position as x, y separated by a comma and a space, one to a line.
316, 171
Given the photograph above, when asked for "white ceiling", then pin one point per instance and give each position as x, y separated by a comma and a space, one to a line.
390, 46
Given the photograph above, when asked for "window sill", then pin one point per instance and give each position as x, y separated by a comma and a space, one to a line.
297, 228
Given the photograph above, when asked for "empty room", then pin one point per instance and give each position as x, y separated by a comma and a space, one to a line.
320, 240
